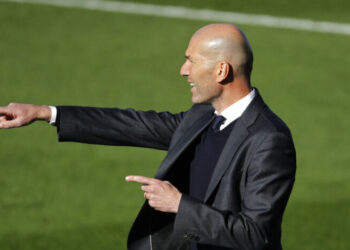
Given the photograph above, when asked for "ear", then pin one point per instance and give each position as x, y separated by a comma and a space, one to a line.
223, 72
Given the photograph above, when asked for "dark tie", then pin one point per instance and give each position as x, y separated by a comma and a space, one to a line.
218, 121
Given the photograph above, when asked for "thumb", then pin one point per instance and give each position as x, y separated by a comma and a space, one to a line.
10, 124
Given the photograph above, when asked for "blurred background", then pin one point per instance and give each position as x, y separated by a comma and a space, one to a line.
73, 196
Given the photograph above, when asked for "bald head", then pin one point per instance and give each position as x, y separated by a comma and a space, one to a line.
218, 65
225, 42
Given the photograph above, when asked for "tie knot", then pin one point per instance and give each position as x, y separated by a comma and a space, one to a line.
218, 121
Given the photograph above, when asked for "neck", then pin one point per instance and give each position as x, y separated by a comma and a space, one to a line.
231, 93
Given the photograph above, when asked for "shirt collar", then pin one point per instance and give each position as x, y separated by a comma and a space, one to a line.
231, 113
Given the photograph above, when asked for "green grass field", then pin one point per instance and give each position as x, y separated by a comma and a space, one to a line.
73, 196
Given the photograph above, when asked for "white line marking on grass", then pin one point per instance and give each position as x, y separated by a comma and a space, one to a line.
195, 14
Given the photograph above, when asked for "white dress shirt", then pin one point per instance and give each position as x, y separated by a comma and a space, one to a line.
231, 113
53, 115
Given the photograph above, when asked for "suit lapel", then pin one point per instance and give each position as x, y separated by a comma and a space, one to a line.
237, 136
184, 142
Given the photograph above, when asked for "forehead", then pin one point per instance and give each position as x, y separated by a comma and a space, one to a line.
193, 47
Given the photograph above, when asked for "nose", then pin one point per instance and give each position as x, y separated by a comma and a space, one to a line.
184, 71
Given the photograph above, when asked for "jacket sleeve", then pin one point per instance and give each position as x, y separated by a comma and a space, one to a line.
113, 126
267, 185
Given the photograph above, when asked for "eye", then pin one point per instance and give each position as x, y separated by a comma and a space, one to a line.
188, 59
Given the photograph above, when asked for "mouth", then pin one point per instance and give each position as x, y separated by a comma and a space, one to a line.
192, 85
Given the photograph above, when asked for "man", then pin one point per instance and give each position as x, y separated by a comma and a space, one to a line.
230, 167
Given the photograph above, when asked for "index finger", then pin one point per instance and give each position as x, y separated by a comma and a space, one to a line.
141, 179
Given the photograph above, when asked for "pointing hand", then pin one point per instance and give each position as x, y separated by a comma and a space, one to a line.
161, 195
17, 115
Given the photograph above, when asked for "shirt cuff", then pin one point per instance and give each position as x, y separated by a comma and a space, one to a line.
53, 115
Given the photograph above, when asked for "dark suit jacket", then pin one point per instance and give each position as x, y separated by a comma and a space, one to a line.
248, 190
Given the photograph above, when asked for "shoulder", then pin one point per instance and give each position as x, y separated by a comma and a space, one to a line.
264, 126
271, 122
258, 117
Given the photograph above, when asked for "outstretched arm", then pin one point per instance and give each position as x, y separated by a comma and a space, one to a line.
17, 115
108, 126
119, 127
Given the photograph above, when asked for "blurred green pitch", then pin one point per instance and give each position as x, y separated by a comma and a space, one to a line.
73, 196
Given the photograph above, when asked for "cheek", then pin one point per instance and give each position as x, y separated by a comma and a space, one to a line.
202, 72
208, 78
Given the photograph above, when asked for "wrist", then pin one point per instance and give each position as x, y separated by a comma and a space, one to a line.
43, 113
178, 203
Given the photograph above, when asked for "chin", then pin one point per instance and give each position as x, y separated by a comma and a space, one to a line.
199, 101
196, 100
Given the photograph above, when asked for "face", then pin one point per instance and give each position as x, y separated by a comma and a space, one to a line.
200, 73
